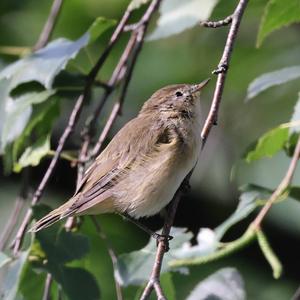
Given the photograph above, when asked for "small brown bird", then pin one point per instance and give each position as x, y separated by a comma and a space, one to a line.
138, 173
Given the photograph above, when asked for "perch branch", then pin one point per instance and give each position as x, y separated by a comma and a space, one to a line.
210, 121
68, 130
222, 69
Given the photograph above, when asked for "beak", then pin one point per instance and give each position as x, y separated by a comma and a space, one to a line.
198, 87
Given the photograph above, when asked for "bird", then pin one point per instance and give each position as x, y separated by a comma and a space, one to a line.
140, 170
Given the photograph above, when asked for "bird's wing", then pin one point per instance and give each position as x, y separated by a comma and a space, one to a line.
117, 159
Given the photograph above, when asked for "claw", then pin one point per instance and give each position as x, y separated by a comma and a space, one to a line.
162, 238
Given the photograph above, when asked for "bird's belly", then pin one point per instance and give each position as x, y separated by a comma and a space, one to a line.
153, 186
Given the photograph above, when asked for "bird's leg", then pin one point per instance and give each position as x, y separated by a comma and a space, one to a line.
158, 237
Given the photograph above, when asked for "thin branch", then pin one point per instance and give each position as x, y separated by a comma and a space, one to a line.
49, 25
284, 184
216, 24
154, 281
112, 255
47, 288
222, 69
68, 130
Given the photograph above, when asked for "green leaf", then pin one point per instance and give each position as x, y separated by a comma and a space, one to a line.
33, 154
168, 286
225, 284
269, 144
40, 123
73, 280
251, 194
135, 4
43, 65
17, 114
294, 192
270, 79
177, 16
10, 275
134, 268
278, 14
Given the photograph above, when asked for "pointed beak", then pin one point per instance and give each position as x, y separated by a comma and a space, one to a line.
198, 87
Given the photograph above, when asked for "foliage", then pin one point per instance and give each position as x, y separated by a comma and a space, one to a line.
34, 92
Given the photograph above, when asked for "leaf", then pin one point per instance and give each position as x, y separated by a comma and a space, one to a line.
177, 16
40, 123
225, 284
33, 154
134, 268
269, 144
278, 14
270, 79
17, 113
294, 192
207, 243
248, 202
296, 117
73, 280
10, 275
43, 65
135, 4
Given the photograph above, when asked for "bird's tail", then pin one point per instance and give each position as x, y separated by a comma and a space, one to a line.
54, 216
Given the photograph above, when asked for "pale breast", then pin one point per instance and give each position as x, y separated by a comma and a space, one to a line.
153, 184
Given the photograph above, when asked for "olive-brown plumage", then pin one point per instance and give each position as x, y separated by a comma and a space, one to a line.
140, 170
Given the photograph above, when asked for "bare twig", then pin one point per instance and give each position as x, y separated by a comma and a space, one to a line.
154, 281
222, 69
47, 288
284, 184
111, 253
49, 25
215, 24
70, 126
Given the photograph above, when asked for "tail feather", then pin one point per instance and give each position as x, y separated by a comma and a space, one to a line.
54, 216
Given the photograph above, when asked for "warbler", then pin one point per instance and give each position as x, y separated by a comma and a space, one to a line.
142, 167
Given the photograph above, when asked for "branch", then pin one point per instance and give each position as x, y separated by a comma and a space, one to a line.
111, 253
154, 281
222, 69
216, 24
68, 130
47, 288
284, 184
49, 25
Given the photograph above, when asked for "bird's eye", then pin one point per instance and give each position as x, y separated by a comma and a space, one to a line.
178, 94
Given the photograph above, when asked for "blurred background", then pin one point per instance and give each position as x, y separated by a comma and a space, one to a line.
188, 57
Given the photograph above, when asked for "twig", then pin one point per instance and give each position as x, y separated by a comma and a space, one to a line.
111, 253
70, 126
47, 288
280, 189
49, 25
154, 282
215, 24
222, 69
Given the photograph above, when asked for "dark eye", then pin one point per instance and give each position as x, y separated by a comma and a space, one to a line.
178, 94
